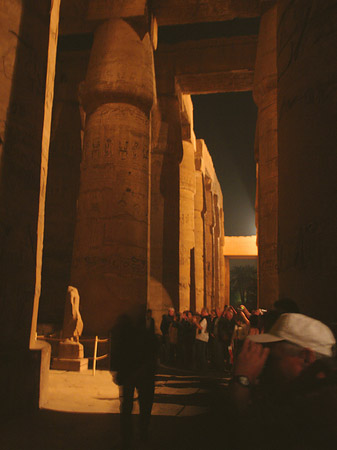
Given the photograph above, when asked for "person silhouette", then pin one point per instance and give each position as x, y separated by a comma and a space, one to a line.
133, 359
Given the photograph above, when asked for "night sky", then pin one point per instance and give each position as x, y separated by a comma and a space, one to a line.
227, 124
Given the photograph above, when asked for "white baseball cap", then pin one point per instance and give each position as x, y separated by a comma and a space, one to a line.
301, 330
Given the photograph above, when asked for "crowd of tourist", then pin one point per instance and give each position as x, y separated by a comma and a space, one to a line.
209, 339
282, 365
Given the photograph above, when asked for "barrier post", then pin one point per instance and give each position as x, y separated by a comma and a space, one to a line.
95, 355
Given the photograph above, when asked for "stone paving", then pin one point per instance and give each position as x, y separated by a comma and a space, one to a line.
82, 413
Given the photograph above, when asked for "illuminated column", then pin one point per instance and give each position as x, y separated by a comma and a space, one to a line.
111, 239
227, 280
222, 299
216, 252
186, 207
265, 96
164, 244
199, 207
186, 233
209, 244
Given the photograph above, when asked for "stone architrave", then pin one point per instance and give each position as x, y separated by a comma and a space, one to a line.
110, 256
265, 96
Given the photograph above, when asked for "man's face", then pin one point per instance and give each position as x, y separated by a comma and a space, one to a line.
171, 312
283, 366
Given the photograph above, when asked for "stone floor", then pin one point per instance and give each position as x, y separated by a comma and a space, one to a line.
82, 413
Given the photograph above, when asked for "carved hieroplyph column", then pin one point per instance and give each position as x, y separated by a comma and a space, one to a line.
111, 239
307, 74
265, 96
164, 244
209, 244
186, 231
186, 208
199, 210
222, 300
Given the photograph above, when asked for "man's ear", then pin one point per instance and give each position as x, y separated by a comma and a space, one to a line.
308, 356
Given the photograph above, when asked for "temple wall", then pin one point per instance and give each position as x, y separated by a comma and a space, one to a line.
307, 136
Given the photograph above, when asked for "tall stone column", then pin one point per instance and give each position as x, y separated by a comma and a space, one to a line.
111, 238
28, 45
199, 209
265, 96
209, 244
186, 230
307, 117
222, 297
164, 245
227, 280
216, 252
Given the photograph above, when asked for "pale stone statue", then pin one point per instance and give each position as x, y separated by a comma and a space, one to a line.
73, 324
70, 350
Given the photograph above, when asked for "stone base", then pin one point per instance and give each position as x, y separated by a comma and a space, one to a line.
75, 365
69, 349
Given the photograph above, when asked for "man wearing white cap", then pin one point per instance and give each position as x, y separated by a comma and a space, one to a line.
287, 380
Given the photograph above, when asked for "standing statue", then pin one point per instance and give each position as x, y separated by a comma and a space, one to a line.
73, 323
70, 350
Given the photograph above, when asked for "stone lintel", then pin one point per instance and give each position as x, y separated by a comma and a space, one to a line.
240, 247
108, 9
211, 65
178, 12
211, 83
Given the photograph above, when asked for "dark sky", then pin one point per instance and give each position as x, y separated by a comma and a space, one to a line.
227, 124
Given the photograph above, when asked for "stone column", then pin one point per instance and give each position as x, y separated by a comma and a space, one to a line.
216, 252
227, 280
307, 117
209, 244
265, 96
222, 298
164, 245
186, 230
28, 45
199, 209
111, 238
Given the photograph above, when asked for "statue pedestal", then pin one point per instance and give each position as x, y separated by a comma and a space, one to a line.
70, 357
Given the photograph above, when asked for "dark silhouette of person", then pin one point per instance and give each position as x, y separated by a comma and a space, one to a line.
133, 359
